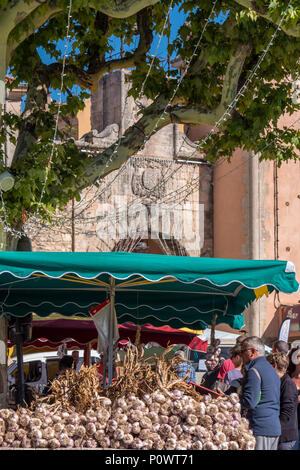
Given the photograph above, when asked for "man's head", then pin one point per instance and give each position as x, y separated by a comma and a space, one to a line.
75, 355
280, 346
211, 361
65, 363
240, 339
179, 354
280, 362
251, 348
236, 355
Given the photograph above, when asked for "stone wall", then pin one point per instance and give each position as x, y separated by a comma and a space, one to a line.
158, 200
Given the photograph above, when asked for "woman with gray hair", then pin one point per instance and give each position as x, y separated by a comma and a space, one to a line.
260, 394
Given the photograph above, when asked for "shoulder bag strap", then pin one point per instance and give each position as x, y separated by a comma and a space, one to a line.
259, 378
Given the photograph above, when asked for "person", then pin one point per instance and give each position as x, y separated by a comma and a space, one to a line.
15, 392
233, 378
209, 379
228, 364
260, 399
236, 358
65, 363
184, 368
294, 372
280, 346
288, 401
77, 362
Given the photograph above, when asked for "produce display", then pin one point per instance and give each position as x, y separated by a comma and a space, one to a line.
148, 407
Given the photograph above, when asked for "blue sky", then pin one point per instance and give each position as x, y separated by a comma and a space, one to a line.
177, 18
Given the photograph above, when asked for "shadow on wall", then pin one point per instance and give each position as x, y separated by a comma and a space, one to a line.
272, 330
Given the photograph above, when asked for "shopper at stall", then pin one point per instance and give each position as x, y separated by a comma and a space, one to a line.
184, 367
233, 378
65, 363
280, 346
77, 362
260, 398
228, 364
288, 401
210, 378
236, 358
294, 372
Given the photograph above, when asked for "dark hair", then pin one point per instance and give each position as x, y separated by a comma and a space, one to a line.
281, 346
241, 338
66, 362
236, 350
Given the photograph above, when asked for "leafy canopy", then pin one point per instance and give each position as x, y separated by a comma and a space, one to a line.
228, 51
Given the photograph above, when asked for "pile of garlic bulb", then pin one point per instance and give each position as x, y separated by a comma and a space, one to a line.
161, 420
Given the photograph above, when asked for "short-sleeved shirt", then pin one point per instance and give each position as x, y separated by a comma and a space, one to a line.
225, 367
185, 368
232, 374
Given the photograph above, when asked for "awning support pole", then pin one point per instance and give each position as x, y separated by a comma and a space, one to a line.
111, 318
19, 344
87, 355
213, 329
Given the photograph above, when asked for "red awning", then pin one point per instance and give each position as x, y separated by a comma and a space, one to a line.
84, 331
196, 344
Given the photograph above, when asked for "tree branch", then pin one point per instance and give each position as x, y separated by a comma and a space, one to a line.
89, 80
195, 115
126, 9
24, 29
252, 5
132, 141
152, 121
37, 101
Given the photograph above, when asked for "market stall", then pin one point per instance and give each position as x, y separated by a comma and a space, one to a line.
162, 290
148, 407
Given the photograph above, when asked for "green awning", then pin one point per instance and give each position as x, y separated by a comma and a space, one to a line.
157, 289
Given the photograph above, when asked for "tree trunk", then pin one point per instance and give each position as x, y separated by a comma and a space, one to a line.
2, 73
8, 243
3, 348
3, 363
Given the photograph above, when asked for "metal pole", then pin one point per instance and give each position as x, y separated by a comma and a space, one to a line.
213, 329
110, 336
73, 227
21, 384
104, 369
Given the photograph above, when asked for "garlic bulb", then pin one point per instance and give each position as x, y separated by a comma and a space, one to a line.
48, 433
158, 397
197, 445
161, 420
136, 429
54, 444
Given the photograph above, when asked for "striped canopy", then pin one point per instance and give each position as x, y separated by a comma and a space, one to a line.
156, 289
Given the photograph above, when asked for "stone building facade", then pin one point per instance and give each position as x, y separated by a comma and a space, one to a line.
161, 202
153, 204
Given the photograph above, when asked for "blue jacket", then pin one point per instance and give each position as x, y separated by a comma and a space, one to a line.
261, 397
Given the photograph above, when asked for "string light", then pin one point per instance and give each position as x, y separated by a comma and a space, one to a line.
147, 137
240, 93
140, 94
5, 226
58, 111
234, 102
